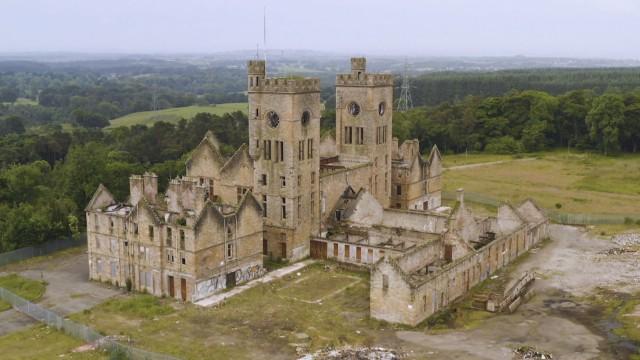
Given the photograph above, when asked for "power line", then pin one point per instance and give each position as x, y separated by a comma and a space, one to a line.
404, 102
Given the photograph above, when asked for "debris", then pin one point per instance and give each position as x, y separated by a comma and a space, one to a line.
353, 353
528, 352
628, 239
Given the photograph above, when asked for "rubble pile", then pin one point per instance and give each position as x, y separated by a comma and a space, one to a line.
630, 239
528, 352
618, 251
353, 353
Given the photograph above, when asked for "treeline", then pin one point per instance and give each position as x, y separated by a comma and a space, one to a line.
435, 88
47, 179
90, 97
528, 121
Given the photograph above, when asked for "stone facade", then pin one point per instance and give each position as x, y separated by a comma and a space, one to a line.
276, 196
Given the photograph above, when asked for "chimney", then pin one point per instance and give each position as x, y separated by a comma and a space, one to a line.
150, 181
460, 196
136, 189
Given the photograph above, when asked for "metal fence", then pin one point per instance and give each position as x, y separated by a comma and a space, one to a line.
76, 330
554, 215
43, 249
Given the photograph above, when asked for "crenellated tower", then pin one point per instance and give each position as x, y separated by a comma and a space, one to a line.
364, 104
284, 135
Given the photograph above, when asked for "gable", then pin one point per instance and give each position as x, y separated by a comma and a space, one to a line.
508, 219
101, 198
530, 212
205, 161
365, 209
435, 162
239, 167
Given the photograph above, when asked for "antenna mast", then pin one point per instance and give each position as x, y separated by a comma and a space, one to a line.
264, 32
404, 102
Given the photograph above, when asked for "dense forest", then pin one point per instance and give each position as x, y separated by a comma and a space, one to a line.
46, 179
48, 172
528, 121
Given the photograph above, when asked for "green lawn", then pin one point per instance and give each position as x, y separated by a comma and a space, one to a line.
474, 158
262, 322
31, 290
42, 342
173, 115
581, 183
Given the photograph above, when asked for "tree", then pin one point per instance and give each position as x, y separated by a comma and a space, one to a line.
604, 121
11, 125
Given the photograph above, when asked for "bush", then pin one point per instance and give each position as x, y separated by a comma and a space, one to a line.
129, 284
558, 205
504, 145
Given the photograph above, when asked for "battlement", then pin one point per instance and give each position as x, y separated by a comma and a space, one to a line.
364, 80
256, 67
358, 64
287, 85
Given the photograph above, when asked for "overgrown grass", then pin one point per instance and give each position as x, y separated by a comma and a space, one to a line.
622, 308
42, 342
143, 306
173, 115
31, 290
262, 322
580, 183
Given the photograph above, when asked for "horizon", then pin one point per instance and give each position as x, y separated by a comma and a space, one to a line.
581, 29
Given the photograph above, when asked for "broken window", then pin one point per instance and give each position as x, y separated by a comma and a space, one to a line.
181, 239
266, 150
283, 181
385, 282
359, 135
398, 189
169, 239
264, 205
309, 148
229, 251
283, 208
151, 232
348, 135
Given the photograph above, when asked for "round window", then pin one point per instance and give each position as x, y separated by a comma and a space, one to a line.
354, 108
273, 118
381, 108
306, 116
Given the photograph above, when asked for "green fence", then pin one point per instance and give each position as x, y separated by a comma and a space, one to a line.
43, 249
554, 215
76, 330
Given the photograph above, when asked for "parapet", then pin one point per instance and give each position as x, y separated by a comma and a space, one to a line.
358, 64
287, 85
364, 80
256, 67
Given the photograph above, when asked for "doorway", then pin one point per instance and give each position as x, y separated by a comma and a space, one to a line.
183, 289
231, 280
172, 292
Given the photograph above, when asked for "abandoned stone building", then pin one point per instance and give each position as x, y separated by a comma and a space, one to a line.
360, 197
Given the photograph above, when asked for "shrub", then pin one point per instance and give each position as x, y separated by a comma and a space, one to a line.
504, 145
558, 205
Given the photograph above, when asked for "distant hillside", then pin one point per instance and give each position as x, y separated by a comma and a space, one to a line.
173, 115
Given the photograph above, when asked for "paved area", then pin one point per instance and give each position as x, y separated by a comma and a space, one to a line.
276, 274
68, 291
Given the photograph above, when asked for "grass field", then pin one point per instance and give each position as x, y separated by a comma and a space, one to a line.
29, 289
43, 343
262, 322
582, 183
173, 115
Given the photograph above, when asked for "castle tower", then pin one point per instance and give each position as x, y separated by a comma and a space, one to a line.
284, 136
364, 104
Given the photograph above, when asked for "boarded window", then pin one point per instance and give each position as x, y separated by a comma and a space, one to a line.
335, 250
347, 250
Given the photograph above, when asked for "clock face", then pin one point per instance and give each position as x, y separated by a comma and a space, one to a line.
381, 108
354, 108
273, 119
306, 117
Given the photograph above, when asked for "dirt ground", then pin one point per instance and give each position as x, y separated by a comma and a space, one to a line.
68, 291
569, 267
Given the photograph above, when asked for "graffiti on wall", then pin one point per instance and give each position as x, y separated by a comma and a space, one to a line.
249, 273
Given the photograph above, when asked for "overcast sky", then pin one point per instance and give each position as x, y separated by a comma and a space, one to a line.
572, 28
